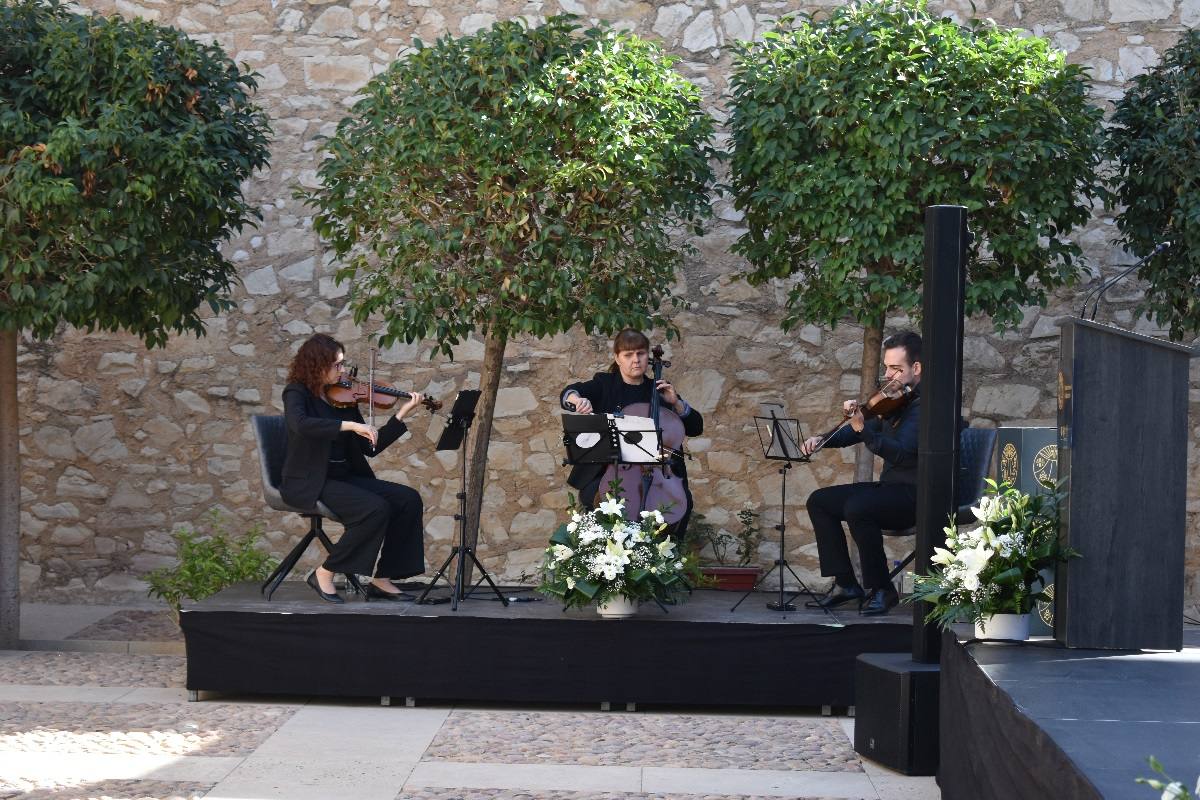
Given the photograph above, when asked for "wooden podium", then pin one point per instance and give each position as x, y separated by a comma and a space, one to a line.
1122, 445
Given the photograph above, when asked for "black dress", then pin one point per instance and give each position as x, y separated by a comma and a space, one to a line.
609, 393
384, 534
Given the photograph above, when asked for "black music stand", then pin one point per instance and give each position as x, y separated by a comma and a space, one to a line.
452, 438
610, 439
780, 439
590, 439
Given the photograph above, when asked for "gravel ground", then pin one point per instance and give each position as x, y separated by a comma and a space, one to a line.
133, 625
199, 729
38, 668
102, 790
707, 742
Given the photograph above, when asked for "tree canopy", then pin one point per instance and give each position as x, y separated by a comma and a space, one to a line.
1153, 146
517, 180
123, 148
845, 129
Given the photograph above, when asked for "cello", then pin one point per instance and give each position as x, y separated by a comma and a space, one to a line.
653, 486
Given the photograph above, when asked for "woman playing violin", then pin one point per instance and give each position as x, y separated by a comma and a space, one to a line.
624, 384
326, 460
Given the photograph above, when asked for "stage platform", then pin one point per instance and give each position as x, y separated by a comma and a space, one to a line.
1038, 720
698, 653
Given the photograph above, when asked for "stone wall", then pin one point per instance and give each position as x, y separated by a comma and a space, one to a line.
120, 445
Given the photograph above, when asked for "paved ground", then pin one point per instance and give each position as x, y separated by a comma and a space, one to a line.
99, 711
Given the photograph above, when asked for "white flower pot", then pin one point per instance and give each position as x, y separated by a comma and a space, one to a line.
1003, 626
618, 607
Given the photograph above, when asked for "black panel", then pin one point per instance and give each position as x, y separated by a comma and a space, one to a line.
941, 396
1123, 428
698, 654
896, 720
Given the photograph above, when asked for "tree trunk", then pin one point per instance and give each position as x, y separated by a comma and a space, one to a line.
864, 463
489, 385
10, 495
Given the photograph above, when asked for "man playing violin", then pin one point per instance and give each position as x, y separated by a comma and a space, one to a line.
871, 507
327, 451
623, 385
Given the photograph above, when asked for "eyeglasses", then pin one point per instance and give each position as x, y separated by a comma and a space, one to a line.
340, 366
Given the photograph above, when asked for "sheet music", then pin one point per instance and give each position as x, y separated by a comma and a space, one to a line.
638, 439
782, 446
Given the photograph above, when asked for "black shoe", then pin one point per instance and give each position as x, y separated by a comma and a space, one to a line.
880, 602
837, 595
373, 592
328, 597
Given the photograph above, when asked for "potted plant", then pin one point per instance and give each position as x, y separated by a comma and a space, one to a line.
723, 575
600, 557
990, 573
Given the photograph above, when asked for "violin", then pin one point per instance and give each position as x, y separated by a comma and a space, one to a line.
892, 397
646, 487
349, 392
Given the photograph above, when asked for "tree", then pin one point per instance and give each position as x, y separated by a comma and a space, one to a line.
515, 181
844, 130
1154, 144
123, 147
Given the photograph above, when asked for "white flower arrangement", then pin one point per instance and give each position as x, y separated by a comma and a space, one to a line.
1171, 789
598, 555
994, 568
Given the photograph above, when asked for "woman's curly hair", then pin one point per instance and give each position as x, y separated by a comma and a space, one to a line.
313, 360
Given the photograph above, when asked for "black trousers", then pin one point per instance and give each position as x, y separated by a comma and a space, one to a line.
384, 537
868, 509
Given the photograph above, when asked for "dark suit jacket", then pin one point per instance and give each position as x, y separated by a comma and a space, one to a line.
603, 390
312, 427
893, 439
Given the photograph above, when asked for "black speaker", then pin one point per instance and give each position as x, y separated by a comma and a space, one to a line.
896, 712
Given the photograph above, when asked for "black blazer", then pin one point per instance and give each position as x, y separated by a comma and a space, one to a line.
312, 426
603, 390
893, 439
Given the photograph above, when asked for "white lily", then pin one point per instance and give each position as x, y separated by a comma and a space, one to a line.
942, 556
612, 506
973, 560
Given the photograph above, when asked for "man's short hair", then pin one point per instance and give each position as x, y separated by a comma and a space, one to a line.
911, 342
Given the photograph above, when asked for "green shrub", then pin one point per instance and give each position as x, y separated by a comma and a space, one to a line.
209, 563
747, 537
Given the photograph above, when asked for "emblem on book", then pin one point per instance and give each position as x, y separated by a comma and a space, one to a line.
1010, 464
1045, 464
1045, 608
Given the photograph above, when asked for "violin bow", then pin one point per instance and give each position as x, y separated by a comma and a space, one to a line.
371, 387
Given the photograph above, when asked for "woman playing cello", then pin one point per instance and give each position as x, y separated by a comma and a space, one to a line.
623, 385
326, 460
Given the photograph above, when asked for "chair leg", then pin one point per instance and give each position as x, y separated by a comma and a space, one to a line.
289, 561
900, 568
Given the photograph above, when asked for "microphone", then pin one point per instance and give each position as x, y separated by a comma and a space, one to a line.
1099, 291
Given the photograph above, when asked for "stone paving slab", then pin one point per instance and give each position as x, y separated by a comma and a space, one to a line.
598, 739
36, 668
209, 729
133, 625
519, 794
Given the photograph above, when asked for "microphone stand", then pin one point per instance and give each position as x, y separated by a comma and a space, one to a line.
1099, 291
